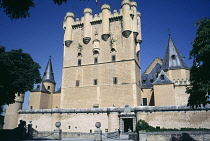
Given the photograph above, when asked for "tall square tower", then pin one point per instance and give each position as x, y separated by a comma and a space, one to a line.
101, 65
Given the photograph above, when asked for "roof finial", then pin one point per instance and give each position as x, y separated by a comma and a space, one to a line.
169, 33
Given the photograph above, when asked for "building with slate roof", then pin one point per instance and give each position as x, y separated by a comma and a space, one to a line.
101, 81
165, 80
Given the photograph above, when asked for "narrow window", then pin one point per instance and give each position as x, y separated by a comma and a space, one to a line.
48, 87
95, 82
18, 94
113, 58
144, 101
79, 62
162, 77
96, 106
95, 60
31, 107
69, 127
77, 83
151, 80
144, 82
114, 80
90, 131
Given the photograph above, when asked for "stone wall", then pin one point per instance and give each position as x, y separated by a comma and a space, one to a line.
83, 120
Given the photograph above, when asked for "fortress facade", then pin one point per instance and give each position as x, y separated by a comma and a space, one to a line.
101, 74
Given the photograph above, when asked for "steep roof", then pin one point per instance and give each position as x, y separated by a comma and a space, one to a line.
173, 59
40, 88
162, 79
48, 74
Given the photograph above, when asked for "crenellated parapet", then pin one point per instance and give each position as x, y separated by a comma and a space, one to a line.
128, 14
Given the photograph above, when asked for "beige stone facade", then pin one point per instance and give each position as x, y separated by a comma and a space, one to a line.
101, 74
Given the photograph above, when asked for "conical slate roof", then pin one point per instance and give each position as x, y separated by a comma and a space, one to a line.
173, 59
41, 88
48, 74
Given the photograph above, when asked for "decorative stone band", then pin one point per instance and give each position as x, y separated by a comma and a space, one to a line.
87, 10
116, 109
124, 2
105, 6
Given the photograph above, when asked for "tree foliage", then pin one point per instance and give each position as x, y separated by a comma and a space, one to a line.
18, 74
199, 89
17, 9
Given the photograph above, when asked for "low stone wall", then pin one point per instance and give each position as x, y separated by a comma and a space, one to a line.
175, 136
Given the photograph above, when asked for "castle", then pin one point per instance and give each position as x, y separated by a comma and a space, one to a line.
101, 74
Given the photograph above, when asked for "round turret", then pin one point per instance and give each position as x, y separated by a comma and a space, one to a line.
124, 2
69, 20
105, 9
133, 3
87, 25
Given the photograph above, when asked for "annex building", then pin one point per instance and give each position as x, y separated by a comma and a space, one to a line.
101, 80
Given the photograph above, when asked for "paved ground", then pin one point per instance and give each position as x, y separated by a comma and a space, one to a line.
77, 139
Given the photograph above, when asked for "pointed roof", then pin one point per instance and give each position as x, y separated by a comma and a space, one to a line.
173, 59
48, 74
41, 88
162, 79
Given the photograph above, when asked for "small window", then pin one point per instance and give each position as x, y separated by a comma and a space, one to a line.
95, 106
114, 80
31, 107
151, 80
38, 86
18, 94
162, 77
95, 82
90, 131
95, 60
48, 87
144, 101
173, 57
113, 58
77, 83
144, 82
69, 127
106, 130
79, 62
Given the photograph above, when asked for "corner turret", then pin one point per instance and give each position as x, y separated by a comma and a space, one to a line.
48, 77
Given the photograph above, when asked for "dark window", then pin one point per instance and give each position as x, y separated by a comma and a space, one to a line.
79, 62
151, 80
162, 77
96, 106
48, 87
115, 80
18, 94
95, 60
69, 127
95, 82
113, 58
144, 82
77, 83
173, 57
144, 101
31, 107
90, 131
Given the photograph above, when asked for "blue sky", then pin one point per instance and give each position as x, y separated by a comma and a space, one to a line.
41, 35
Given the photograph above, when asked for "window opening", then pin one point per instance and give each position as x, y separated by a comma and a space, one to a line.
77, 83
115, 80
79, 62
95, 82
113, 58
162, 77
48, 87
95, 60
144, 101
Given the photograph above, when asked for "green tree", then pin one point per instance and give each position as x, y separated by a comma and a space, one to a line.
17, 9
18, 74
199, 88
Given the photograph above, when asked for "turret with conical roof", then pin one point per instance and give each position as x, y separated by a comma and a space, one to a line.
48, 77
173, 59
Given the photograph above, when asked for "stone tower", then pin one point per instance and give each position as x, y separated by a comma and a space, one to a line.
101, 62
11, 116
42, 96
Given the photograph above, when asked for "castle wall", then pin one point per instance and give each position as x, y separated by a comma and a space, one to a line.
164, 94
83, 120
56, 100
34, 101
149, 95
181, 97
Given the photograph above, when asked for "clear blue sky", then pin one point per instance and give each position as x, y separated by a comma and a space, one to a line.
41, 35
